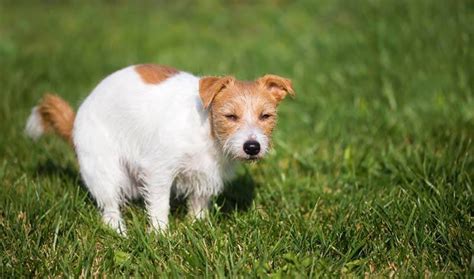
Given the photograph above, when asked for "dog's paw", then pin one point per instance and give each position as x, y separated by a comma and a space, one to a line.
158, 226
115, 223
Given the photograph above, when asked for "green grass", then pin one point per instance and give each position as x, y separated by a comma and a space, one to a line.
372, 166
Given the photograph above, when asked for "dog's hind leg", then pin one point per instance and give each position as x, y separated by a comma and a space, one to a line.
106, 178
157, 191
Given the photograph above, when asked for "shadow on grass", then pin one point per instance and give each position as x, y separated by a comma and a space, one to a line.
237, 195
52, 168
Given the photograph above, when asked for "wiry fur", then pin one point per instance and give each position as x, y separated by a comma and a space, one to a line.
139, 134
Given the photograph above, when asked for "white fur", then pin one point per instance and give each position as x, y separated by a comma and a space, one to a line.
135, 139
233, 145
34, 126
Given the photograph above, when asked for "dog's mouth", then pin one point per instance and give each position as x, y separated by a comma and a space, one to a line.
252, 158
247, 158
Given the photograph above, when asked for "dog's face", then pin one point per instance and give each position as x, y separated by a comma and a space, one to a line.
242, 113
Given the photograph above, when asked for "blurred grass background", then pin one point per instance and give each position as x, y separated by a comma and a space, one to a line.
372, 167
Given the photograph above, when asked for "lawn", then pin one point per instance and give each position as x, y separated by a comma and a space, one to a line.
372, 167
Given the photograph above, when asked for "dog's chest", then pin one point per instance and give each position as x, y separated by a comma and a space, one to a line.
203, 173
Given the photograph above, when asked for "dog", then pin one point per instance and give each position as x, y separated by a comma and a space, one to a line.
149, 130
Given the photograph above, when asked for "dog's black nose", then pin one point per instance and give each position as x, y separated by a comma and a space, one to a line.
252, 147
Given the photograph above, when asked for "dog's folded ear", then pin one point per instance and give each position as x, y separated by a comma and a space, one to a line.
278, 86
209, 87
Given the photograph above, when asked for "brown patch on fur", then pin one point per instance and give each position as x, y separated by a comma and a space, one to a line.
277, 86
210, 86
57, 116
232, 103
154, 74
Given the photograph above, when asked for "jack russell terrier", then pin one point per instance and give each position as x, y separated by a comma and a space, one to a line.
148, 129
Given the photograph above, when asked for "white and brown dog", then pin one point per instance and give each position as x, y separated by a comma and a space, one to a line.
148, 128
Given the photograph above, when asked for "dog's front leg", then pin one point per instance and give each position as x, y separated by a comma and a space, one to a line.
198, 206
157, 199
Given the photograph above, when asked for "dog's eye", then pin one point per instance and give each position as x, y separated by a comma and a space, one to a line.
265, 116
231, 117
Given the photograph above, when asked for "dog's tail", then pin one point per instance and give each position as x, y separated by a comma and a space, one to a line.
52, 114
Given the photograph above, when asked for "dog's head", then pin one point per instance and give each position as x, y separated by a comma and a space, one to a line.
243, 113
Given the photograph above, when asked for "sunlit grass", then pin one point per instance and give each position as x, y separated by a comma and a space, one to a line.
372, 166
